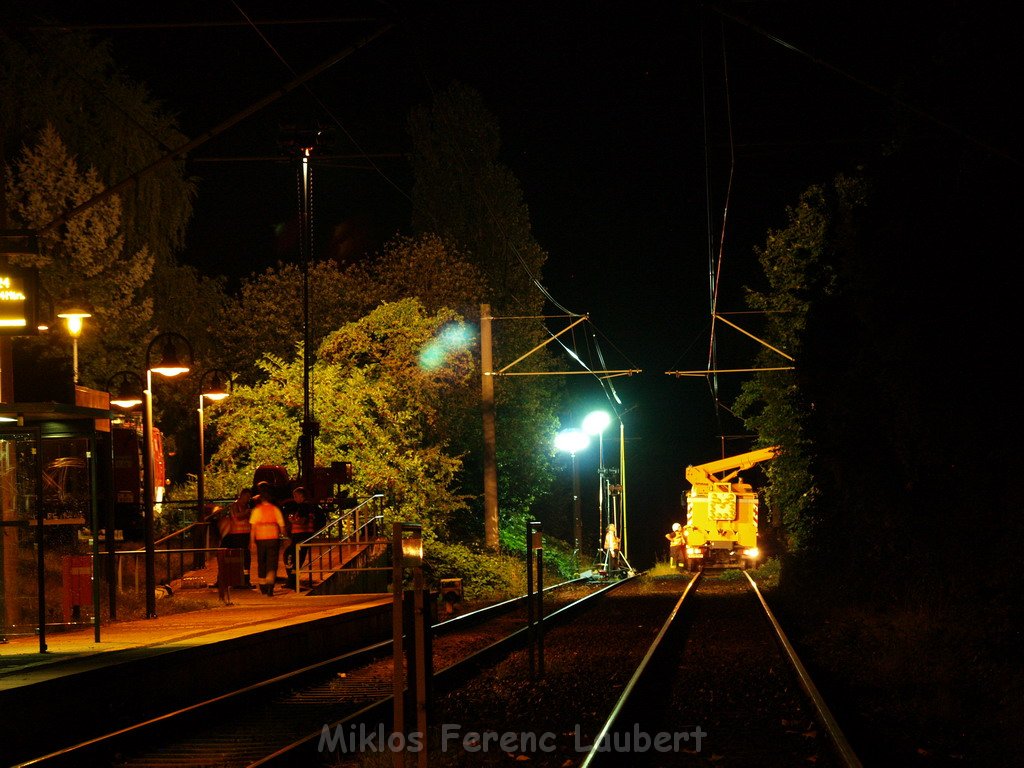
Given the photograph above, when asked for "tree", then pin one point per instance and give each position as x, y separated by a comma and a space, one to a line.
427, 267
68, 80
266, 317
267, 314
86, 259
465, 194
796, 262
380, 385
65, 84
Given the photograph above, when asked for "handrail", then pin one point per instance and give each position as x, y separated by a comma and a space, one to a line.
352, 512
199, 555
182, 531
326, 549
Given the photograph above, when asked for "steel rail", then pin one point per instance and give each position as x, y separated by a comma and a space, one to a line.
444, 679
350, 658
821, 708
842, 746
638, 674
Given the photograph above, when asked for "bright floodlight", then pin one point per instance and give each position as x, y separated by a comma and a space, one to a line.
596, 422
571, 441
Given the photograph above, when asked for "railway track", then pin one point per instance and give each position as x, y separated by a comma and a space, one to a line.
721, 685
676, 671
682, 670
243, 727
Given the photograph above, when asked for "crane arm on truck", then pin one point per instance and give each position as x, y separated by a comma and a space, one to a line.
706, 474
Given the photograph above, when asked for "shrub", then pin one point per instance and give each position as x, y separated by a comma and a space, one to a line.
485, 575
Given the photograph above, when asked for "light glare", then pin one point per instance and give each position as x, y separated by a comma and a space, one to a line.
596, 422
571, 440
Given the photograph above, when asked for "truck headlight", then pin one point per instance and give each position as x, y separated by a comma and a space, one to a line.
753, 553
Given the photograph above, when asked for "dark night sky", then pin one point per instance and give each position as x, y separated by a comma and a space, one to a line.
603, 124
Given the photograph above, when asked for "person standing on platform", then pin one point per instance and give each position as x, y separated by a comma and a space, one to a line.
299, 515
236, 531
268, 529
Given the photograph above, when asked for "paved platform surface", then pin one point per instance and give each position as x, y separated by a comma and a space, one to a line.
250, 612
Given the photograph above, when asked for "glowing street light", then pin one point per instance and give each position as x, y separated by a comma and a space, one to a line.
169, 365
220, 388
128, 391
73, 317
572, 441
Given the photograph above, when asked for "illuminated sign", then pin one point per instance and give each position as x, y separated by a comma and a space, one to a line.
18, 291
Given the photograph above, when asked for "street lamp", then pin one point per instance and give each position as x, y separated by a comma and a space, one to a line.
125, 388
74, 316
128, 391
595, 423
220, 387
169, 365
572, 441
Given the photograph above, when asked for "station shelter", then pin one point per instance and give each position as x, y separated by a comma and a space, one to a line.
55, 496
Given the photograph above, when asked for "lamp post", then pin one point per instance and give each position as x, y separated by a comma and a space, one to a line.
572, 441
125, 388
74, 316
170, 366
216, 392
595, 423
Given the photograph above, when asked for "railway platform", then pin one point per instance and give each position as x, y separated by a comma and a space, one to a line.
146, 667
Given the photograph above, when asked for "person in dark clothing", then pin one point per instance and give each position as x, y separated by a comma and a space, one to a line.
300, 517
235, 530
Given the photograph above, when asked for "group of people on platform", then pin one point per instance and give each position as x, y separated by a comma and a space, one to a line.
257, 518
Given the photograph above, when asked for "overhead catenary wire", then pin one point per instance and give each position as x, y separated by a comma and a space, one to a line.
327, 110
484, 199
715, 275
192, 144
912, 108
103, 94
506, 240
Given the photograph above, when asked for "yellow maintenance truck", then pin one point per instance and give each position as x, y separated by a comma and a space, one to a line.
721, 515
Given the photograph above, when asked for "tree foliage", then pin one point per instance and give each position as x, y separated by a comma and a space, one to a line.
467, 196
267, 314
70, 112
433, 270
797, 262
379, 392
84, 261
69, 81
464, 193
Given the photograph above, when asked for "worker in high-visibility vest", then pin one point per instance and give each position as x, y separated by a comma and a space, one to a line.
611, 546
268, 529
676, 545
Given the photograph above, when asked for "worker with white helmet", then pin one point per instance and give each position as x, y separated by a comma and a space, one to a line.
676, 544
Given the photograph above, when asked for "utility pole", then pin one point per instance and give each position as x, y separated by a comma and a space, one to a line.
487, 374
490, 447
303, 141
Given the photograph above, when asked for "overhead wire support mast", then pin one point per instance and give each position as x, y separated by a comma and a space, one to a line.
760, 341
487, 376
